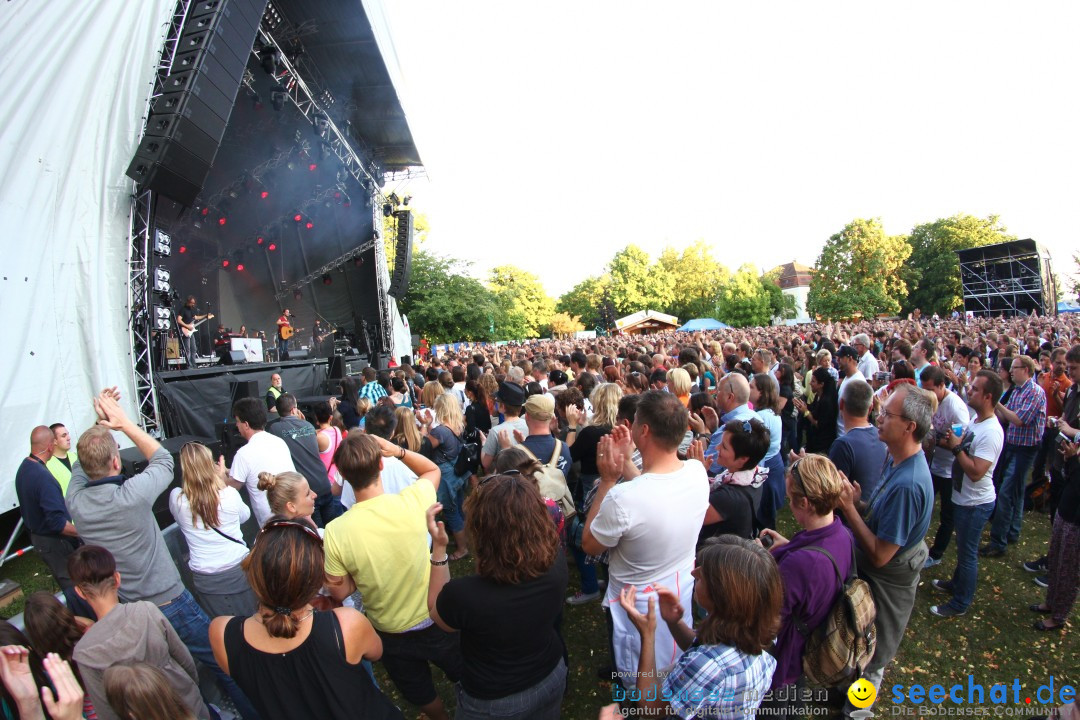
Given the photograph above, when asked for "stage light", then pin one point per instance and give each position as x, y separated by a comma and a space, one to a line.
309, 225
277, 98
327, 280
406, 200
260, 240
225, 263
357, 261
183, 249
387, 210
162, 244
205, 211
162, 280
162, 317
240, 267
269, 58
272, 247
297, 217
297, 295
221, 221
321, 124
325, 150
312, 167
264, 194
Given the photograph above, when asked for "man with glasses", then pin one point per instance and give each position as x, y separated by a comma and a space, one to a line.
973, 494
732, 400
116, 513
1025, 415
889, 528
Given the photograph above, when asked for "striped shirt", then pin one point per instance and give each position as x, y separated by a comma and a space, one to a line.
1029, 403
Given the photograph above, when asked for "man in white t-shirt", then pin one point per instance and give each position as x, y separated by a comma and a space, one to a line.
848, 360
649, 526
868, 364
951, 411
263, 452
973, 489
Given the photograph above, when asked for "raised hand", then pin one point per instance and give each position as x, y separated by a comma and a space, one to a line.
645, 624
574, 416
697, 424
519, 436
437, 529
15, 672
67, 703
712, 420
610, 459
671, 610
696, 451
108, 410
620, 437
850, 493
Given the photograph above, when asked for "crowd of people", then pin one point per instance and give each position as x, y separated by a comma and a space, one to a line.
641, 474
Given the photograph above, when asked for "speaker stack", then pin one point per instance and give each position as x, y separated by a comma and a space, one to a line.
399, 281
188, 120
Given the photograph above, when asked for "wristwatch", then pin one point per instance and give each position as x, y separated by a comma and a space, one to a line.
956, 450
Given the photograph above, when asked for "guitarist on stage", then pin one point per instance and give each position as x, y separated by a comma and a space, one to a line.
187, 319
285, 331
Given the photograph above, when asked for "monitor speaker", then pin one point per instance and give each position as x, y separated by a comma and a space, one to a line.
336, 368
239, 389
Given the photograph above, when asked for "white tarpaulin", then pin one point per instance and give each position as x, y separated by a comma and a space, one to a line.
75, 79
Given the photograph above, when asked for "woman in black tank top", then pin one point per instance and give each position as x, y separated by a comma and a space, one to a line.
290, 660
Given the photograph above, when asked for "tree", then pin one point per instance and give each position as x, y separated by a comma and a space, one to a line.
585, 299
781, 305
523, 306
564, 325
444, 305
858, 273
638, 284
697, 278
932, 271
421, 226
744, 301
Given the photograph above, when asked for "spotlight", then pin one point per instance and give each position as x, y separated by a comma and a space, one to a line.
312, 167
269, 57
183, 249
297, 295
375, 234
321, 124
162, 244
272, 247
162, 280
260, 241
264, 194
277, 98
221, 220
162, 317
225, 263
297, 217
387, 210
405, 200
395, 199
240, 267
309, 225
205, 211
327, 280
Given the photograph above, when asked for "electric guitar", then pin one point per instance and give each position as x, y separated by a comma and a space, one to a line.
287, 331
325, 335
189, 333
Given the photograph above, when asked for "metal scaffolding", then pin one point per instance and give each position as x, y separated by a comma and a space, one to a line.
1012, 278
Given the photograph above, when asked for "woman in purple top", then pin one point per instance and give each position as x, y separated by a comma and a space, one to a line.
813, 486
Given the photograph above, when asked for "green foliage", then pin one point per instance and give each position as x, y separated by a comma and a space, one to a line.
443, 304
638, 284
781, 306
858, 273
584, 299
421, 226
563, 325
698, 279
932, 271
523, 306
744, 300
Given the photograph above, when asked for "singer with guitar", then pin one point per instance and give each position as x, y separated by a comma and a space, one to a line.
285, 331
188, 320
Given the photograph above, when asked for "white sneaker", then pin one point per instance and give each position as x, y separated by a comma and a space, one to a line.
581, 598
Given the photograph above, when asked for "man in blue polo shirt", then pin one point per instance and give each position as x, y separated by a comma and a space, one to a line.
889, 528
732, 400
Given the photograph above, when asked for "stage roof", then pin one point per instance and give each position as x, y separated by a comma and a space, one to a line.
349, 46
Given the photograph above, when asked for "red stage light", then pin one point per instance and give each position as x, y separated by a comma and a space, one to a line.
240, 267
309, 225
224, 263
337, 196
221, 221
183, 248
297, 217
272, 247
259, 240
312, 167
205, 211
264, 194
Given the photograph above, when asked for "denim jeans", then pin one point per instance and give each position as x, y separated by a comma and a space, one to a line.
772, 492
327, 508
540, 702
452, 496
193, 626
282, 349
969, 521
1009, 515
587, 571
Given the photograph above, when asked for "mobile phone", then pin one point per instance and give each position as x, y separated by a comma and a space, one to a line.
766, 540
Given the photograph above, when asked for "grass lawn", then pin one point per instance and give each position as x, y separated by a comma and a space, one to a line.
994, 642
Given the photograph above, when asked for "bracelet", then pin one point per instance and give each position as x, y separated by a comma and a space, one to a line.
402, 455
956, 450
440, 563
571, 430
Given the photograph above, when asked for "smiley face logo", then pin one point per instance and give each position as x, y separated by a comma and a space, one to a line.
862, 693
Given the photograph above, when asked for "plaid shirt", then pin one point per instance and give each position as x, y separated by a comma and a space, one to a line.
1029, 403
372, 391
718, 681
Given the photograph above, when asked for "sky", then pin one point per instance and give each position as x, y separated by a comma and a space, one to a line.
554, 134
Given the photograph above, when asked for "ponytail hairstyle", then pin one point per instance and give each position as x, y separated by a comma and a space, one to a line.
281, 489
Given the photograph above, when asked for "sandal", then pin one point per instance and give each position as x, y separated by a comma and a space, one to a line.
459, 554
1043, 627
1039, 608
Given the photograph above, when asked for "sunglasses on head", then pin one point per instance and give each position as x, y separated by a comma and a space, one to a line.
275, 524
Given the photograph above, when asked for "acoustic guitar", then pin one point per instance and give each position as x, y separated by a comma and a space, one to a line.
287, 331
189, 333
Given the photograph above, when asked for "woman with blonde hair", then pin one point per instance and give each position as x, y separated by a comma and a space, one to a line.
288, 493
430, 393
445, 439
812, 579
678, 382
139, 691
210, 513
406, 433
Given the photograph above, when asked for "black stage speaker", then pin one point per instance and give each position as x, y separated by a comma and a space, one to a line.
237, 357
239, 389
406, 360
298, 354
382, 361
336, 368
229, 440
188, 120
132, 463
399, 282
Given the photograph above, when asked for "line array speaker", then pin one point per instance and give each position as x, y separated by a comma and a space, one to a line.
399, 282
188, 120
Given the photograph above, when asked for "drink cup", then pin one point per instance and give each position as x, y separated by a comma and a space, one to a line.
958, 430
